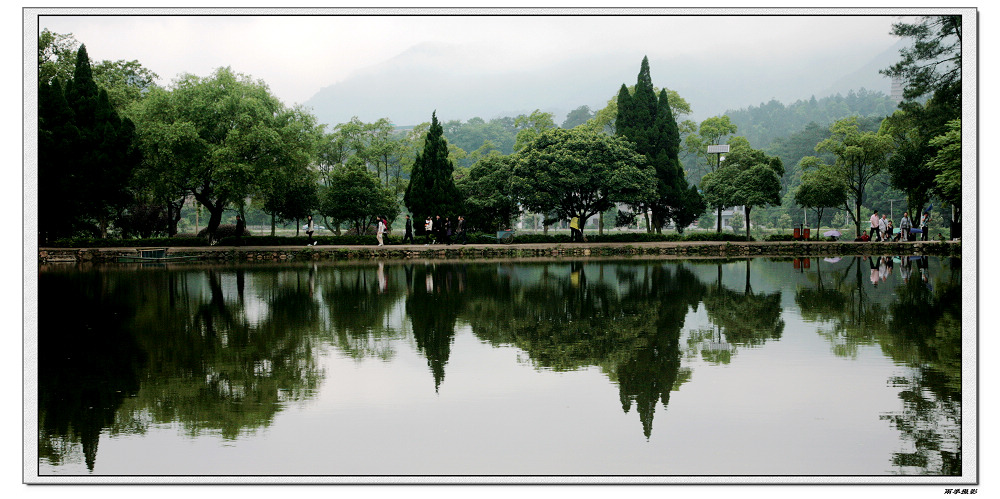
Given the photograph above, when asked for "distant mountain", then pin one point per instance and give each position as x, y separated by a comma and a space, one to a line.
440, 77
867, 76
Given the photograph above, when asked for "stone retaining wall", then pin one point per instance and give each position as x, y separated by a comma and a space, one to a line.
693, 249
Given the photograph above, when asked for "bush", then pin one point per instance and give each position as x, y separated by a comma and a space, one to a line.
224, 230
779, 237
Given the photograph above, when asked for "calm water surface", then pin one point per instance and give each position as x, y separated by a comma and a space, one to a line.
815, 366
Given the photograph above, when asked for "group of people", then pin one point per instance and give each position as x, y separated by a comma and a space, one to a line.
883, 230
439, 230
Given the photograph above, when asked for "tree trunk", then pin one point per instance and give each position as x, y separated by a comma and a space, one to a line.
718, 220
273, 225
857, 217
600, 223
214, 220
746, 220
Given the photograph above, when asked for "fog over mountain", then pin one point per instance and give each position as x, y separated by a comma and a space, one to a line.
450, 79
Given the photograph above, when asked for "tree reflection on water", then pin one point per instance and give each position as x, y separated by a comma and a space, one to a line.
223, 349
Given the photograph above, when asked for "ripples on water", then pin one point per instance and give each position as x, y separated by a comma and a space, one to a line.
786, 367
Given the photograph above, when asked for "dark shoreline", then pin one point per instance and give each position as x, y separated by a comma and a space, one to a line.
710, 249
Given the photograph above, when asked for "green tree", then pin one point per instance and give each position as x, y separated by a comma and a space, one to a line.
490, 199
747, 178
579, 173
711, 131
218, 137
933, 65
646, 119
820, 189
356, 197
948, 161
531, 126
860, 156
908, 166
577, 117
56, 57
432, 190
605, 119
86, 174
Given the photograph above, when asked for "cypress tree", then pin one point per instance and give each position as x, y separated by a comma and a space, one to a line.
432, 190
647, 121
85, 176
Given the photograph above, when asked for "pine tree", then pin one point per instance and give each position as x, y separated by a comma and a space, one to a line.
86, 172
646, 120
432, 191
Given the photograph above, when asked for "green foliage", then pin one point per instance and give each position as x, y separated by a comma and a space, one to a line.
762, 125
820, 189
86, 156
577, 117
647, 121
221, 138
948, 162
86, 242
225, 230
530, 127
934, 63
356, 197
490, 200
579, 173
860, 156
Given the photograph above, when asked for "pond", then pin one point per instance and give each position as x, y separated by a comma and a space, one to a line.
826, 367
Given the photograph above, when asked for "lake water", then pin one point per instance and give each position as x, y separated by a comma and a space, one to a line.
618, 368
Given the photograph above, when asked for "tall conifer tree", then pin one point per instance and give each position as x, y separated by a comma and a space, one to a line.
432, 191
648, 122
85, 179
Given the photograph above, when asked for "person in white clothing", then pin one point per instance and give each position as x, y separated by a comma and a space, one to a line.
380, 230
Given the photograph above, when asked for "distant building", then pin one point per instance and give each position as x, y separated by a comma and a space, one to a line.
897, 91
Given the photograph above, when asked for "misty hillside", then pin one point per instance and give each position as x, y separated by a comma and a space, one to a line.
432, 77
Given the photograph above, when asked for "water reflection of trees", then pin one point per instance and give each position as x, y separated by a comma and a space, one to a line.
89, 362
916, 320
205, 356
357, 301
745, 318
568, 318
433, 307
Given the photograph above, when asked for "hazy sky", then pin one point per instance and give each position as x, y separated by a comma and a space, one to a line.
298, 55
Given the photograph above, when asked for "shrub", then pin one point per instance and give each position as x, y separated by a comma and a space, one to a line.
224, 230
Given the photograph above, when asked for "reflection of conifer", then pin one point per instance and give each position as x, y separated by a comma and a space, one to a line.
88, 359
433, 315
652, 370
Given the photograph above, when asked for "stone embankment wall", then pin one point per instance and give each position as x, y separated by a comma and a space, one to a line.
693, 249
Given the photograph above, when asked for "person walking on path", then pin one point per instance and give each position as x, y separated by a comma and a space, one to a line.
923, 225
408, 234
460, 230
873, 232
379, 230
881, 229
240, 227
905, 225
447, 230
309, 231
428, 230
575, 234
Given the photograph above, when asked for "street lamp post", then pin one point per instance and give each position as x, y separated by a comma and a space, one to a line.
718, 151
